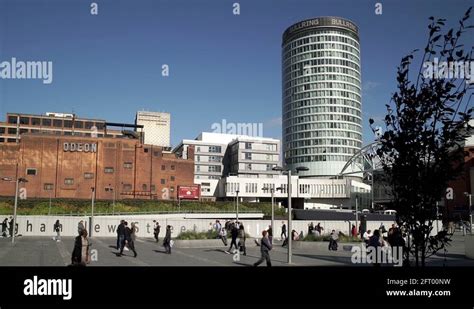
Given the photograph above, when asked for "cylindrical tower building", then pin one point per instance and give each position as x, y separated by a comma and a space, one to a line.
321, 89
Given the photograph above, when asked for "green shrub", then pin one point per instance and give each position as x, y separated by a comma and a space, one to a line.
342, 238
192, 235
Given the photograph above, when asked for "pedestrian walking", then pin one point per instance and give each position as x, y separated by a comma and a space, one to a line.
4, 227
12, 230
234, 232
333, 241
57, 229
270, 234
283, 231
156, 230
167, 240
353, 231
265, 247
242, 239
128, 239
80, 253
120, 234
80, 227
223, 235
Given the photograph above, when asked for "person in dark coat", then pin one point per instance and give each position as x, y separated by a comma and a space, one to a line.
120, 234
156, 230
242, 239
11, 227
4, 227
283, 231
128, 240
234, 234
80, 253
167, 240
265, 247
270, 234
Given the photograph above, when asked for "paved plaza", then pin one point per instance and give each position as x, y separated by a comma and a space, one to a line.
42, 251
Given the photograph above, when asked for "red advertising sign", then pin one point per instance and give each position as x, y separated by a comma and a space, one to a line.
189, 192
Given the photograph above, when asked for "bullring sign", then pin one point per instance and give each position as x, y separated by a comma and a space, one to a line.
80, 147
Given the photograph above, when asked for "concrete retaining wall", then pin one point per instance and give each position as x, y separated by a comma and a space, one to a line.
105, 226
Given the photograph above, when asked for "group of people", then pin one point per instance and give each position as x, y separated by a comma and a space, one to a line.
7, 227
317, 230
236, 230
380, 237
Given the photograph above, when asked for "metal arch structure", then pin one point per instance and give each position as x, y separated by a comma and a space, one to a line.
365, 160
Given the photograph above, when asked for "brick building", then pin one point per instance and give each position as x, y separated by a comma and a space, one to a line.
70, 166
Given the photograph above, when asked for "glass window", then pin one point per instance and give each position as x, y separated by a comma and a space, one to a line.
69, 181
35, 121
12, 119
163, 181
108, 170
11, 131
46, 122
48, 186
89, 124
2, 130
22, 131
163, 167
79, 124
128, 165
68, 123
152, 188
31, 171
144, 187
24, 120
88, 175
172, 178
172, 167
58, 123
11, 140
127, 187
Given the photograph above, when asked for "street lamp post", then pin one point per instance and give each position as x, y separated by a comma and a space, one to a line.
17, 184
49, 211
272, 191
92, 212
237, 205
469, 195
357, 215
290, 230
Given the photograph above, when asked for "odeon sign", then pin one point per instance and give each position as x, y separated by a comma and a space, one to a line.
80, 147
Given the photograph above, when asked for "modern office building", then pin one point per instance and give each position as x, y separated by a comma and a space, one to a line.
219, 155
321, 95
58, 124
253, 157
156, 127
307, 193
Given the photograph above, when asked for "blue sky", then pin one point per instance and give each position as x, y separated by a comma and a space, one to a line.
222, 66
